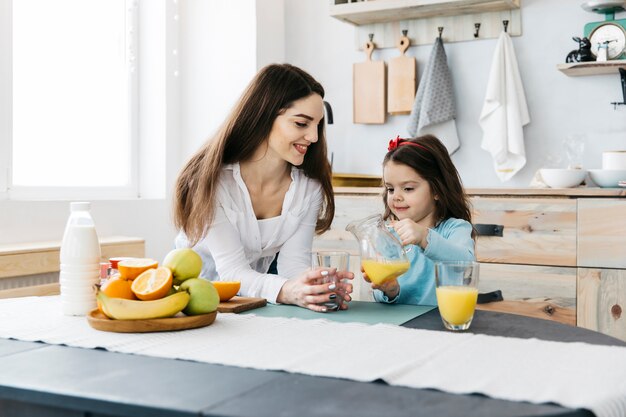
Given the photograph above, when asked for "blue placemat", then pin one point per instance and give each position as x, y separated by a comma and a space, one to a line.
359, 311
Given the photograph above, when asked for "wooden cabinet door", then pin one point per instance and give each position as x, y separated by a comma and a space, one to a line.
602, 233
544, 292
536, 231
601, 297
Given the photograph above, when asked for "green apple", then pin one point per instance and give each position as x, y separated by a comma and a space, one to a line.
184, 263
203, 297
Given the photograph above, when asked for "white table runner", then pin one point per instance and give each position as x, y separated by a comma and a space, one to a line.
576, 375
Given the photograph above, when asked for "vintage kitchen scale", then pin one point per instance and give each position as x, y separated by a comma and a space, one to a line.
610, 33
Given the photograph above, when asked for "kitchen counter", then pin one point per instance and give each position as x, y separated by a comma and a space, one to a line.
547, 192
570, 240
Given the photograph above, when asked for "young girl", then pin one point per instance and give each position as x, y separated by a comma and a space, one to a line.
429, 210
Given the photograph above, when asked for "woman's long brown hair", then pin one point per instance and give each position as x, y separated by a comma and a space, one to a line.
432, 162
273, 90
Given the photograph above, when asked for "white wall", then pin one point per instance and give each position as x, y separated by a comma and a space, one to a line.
220, 52
558, 104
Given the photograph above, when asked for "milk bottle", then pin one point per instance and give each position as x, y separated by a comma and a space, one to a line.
80, 262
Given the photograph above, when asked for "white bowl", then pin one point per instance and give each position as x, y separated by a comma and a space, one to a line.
562, 178
607, 178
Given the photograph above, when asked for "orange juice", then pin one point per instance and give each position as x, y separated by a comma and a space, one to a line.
379, 272
457, 304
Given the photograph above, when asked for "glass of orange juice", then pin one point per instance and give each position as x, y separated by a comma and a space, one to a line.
457, 292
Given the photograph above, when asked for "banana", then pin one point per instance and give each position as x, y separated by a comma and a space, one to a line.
123, 309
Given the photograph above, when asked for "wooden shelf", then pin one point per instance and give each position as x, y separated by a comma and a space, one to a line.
381, 11
579, 69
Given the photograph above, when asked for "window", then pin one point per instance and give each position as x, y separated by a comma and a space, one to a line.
68, 114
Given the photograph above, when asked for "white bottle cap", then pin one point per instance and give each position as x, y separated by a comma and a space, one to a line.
80, 206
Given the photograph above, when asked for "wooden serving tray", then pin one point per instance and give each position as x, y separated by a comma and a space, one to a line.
99, 321
238, 304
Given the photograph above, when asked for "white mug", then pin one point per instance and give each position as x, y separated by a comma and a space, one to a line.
614, 160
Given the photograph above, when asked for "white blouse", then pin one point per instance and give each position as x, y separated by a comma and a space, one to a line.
233, 249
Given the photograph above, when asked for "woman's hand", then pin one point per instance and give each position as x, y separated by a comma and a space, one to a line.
390, 288
411, 233
344, 288
308, 291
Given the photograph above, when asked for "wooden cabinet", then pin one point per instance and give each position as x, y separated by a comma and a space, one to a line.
601, 298
570, 231
602, 233
561, 256
601, 292
535, 231
545, 292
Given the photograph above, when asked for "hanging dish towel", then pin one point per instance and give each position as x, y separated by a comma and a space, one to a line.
434, 108
504, 112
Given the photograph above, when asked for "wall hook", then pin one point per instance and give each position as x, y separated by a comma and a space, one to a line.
476, 29
371, 36
440, 29
403, 42
506, 25
622, 73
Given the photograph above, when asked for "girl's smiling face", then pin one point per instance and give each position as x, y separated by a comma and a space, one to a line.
409, 196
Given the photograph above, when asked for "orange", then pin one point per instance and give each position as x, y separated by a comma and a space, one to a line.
153, 284
117, 287
131, 268
226, 289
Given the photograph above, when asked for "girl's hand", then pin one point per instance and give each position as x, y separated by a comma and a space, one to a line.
411, 233
390, 288
307, 290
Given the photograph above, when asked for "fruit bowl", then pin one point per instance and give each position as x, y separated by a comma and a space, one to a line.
562, 178
99, 321
607, 178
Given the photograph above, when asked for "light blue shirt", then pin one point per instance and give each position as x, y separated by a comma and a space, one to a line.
450, 240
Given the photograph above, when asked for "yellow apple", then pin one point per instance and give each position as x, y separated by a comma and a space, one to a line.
184, 263
203, 296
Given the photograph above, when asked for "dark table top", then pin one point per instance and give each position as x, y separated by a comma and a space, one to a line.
37, 379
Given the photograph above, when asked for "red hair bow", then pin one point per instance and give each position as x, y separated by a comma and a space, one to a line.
394, 143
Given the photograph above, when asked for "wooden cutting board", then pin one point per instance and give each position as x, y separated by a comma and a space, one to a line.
238, 304
402, 80
369, 87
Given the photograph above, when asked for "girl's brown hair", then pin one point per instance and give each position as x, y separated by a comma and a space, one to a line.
273, 90
429, 158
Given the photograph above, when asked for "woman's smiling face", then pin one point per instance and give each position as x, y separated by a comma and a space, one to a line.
295, 129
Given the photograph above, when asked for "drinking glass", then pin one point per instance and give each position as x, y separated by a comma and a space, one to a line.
457, 292
333, 261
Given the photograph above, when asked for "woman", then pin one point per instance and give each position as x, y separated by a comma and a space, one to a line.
260, 186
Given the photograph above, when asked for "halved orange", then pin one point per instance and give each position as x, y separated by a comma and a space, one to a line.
131, 268
153, 284
226, 289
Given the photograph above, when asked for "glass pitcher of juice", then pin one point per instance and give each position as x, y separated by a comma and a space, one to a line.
382, 256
